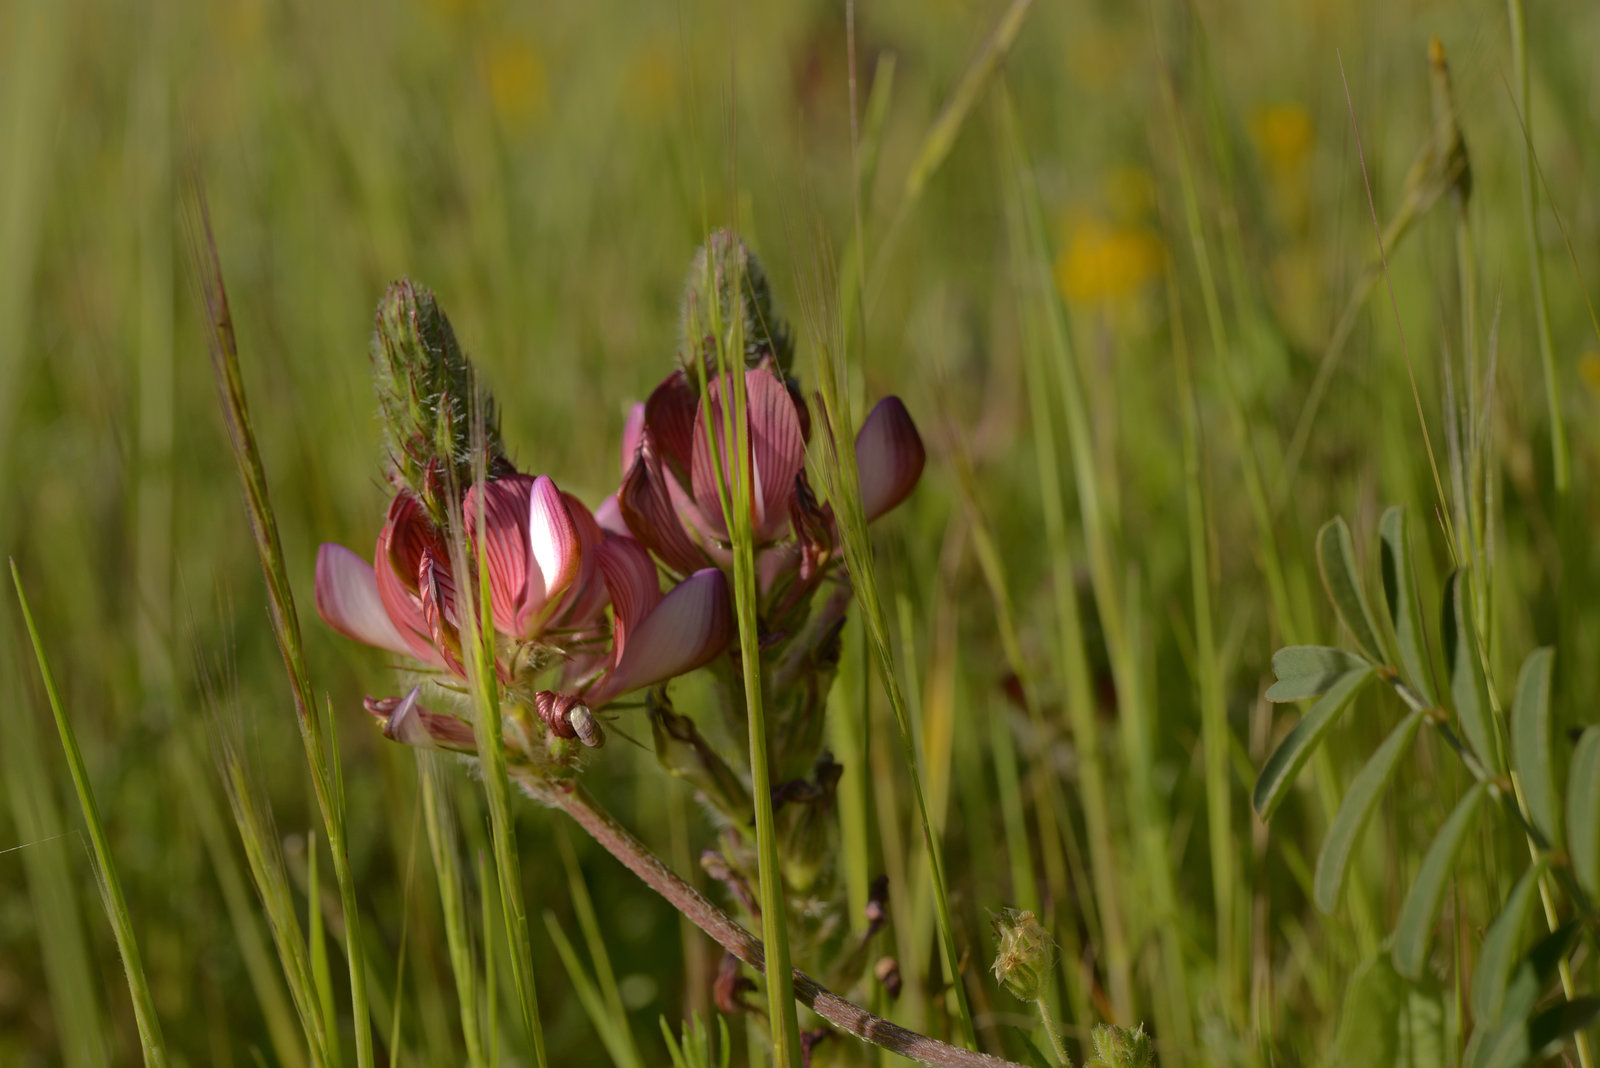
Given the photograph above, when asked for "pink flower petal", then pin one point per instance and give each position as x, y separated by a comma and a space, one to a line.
609, 516
669, 417
646, 506
889, 457
630, 576
403, 533
632, 431
347, 598
588, 594
505, 543
777, 448
406, 721
554, 554
688, 628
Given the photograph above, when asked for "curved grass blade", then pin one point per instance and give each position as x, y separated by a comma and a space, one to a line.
1467, 687
1400, 594
1497, 955
105, 866
1357, 808
1583, 812
1336, 559
1309, 670
1286, 761
1530, 743
1420, 911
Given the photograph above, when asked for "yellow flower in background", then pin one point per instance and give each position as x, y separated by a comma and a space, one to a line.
518, 86
650, 81
1284, 136
1589, 373
1105, 262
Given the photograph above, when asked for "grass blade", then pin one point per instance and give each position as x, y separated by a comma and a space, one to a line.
1336, 559
613, 1032
1356, 810
1279, 772
1583, 812
1400, 595
438, 819
116, 905
1420, 911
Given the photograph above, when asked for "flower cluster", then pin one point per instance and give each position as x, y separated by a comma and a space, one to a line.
577, 606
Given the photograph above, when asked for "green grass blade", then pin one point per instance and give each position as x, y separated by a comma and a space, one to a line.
1530, 743
317, 942
1583, 812
1341, 577
612, 1030
1306, 671
1497, 955
438, 819
1405, 608
1279, 772
1420, 910
116, 904
1467, 686
1333, 862
615, 1031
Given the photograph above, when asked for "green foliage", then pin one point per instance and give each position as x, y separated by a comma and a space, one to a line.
1390, 1021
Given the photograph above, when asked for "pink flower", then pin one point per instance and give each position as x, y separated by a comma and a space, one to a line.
889, 457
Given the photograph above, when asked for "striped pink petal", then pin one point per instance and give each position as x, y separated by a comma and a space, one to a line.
776, 446
889, 457
630, 577
555, 555
645, 501
609, 516
587, 595
505, 543
669, 416
398, 554
632, 431
347, 598
688, 628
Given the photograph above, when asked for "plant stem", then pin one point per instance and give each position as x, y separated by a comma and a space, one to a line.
617, 840
1053, 1029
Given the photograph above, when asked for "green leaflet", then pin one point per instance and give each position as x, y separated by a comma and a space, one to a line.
1420, 910
1467, 687
1400, 595
1497, 954
1530, 743
1356, 809
1336, 559
1286, 761
1583, 812
1309, 670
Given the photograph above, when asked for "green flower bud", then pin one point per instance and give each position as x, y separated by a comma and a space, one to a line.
683, 751
747, 326
426, 392
1026, 953
1118, 1047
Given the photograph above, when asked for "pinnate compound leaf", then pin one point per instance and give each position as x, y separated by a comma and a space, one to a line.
1497, 957
1530, 742
1390, 1021
1309, 670
1286, 761
1467, 688
1336, 559
1400, 594
1583, 812
1420, 911
1356, 810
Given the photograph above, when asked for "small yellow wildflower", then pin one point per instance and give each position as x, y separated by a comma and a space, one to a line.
1284, 136
1104, 262
518, 87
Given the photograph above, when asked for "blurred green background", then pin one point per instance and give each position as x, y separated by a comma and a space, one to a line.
549, 171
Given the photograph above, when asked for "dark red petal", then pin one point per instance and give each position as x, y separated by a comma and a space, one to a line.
889, 457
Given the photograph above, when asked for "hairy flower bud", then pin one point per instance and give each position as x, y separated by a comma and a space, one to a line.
426, 392
747, 325
1026, 953
1118, 1047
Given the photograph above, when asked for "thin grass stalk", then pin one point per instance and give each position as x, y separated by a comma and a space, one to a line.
405, 932
613, 1032
625, 1051
280, 595
438, 819
734, 489
317, 941
1080, 698
839, 476
116, 904
1216, 737
477, 644
491, 985
53, 885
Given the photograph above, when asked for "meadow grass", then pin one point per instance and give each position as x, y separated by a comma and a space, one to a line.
1122, 265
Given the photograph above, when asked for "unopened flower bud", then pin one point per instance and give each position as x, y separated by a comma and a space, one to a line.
747, 326
887, 972
1118, 1047
426, 392
1026, 953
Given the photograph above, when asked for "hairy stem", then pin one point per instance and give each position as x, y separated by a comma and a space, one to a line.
575, 801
